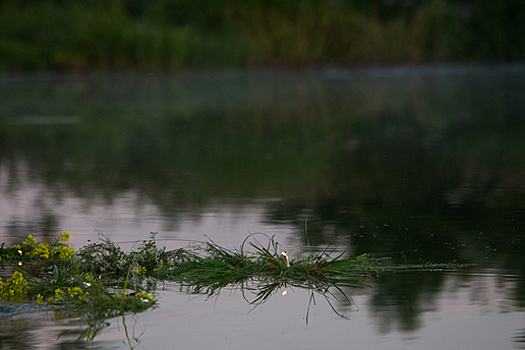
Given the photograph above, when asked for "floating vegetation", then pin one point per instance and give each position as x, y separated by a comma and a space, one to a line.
102, 280
209, 268
59, 276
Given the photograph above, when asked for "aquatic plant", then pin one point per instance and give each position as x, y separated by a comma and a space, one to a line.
260, 270
102, 280
106, 258
56, 275
211, 267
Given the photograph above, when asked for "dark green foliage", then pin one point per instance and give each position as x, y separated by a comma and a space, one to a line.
162, 34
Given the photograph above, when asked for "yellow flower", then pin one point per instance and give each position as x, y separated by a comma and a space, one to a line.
42, 250
64, 252
39, 300
14, 289
32, 248
59, 294
64, 236
74, 291
30, 240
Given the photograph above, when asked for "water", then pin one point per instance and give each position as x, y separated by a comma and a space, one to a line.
415, 163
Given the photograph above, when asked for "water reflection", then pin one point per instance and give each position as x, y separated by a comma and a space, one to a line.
257, 292
474, 303
519, 338
45, 329
415, 164
476, 306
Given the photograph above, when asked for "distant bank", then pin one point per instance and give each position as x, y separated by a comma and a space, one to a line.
173, 35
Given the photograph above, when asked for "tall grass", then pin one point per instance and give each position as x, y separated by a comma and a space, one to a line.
163, 34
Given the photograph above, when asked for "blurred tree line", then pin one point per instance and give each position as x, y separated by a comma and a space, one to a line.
177, 34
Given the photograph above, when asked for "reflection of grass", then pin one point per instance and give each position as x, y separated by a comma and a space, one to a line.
103, 280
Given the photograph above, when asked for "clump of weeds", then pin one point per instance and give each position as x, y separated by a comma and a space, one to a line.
103, 280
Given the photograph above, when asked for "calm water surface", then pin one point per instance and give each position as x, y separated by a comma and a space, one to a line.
413, 163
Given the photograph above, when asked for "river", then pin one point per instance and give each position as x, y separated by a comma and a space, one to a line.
417, 163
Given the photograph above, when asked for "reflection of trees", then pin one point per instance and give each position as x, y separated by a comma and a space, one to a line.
399, 300
27, 333
292, 137
422, 167
418, 154
519, 338
418, 236
46, 223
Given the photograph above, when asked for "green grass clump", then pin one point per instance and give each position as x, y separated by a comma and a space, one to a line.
103, 280
214, 267
261, 270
